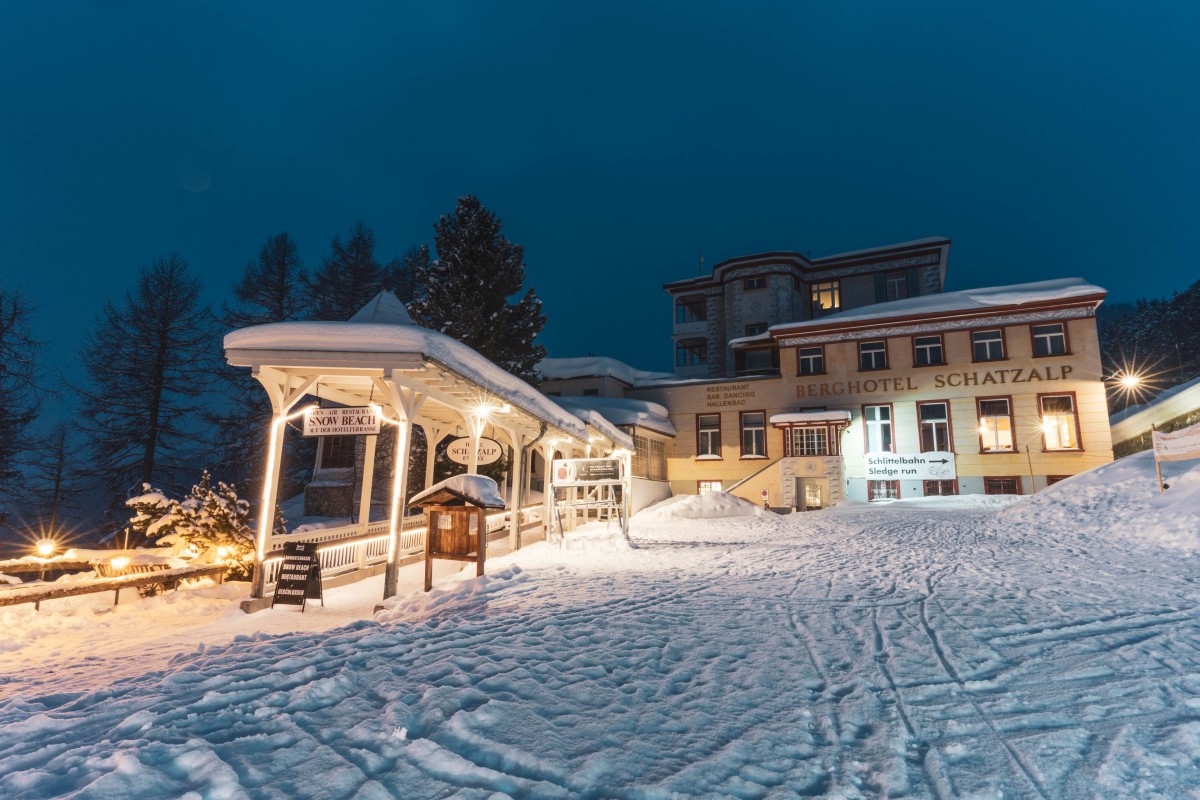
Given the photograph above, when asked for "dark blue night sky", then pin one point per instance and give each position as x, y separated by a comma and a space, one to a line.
615, 141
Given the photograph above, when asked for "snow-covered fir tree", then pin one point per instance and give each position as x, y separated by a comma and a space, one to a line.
212, 523
468, 291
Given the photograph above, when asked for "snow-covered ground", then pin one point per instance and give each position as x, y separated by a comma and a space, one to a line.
1047, 649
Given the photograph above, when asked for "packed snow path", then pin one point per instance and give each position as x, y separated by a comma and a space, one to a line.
867, 652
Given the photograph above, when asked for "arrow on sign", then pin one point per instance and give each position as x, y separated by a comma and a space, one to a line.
942, 461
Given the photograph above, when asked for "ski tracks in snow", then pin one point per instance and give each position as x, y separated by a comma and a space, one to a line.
859, 653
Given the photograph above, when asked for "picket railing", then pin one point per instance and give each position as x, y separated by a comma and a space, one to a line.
350, 548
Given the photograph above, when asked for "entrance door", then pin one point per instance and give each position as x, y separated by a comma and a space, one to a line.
810, 493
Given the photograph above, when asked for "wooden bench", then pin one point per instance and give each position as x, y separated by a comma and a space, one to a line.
168, 579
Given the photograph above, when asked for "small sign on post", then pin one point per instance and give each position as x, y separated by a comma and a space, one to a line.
299, 576
1182, 445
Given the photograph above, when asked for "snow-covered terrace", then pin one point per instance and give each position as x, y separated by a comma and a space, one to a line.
417, 376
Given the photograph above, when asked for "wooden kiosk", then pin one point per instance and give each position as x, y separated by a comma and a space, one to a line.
456, 520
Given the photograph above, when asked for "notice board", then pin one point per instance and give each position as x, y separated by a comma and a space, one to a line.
299, 576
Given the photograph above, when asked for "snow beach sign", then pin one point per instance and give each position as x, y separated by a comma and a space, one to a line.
342, 421
932, 466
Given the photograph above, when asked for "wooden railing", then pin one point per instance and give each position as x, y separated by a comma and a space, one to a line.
349, 548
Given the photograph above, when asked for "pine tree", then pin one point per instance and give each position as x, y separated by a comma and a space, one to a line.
348, 279
212, 522
148, 361
18, 392
466, 292
272, 289
54, 481
400, 275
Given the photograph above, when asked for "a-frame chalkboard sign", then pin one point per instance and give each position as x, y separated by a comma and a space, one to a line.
299, 576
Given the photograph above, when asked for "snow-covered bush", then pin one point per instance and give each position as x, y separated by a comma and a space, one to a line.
214, 522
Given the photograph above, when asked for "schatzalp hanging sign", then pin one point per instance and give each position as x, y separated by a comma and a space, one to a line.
932, 466
342, 421
459, 451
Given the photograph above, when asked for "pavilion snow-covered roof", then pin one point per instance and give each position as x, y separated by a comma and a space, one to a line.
382, 337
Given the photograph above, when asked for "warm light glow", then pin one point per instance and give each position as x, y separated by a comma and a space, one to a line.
1131, 381
983, 430
222, 552
120, 563
1048, 427
45, 547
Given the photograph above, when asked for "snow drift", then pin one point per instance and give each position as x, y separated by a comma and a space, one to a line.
714, 505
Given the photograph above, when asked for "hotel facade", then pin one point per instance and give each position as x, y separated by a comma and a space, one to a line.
801, 383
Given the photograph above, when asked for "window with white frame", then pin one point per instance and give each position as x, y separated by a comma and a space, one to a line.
810, 441
934, 419
707, 487
708, 433
896, 284
883, 490
872, 355
754, 434
1059, 431
878, 421
812, 360
1049, 340
826, 298
996, 426
987, 345
927, 351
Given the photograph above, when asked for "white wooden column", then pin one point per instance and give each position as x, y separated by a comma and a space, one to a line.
434, 434
404, 403
475, 426
368, 481
516, 469
284, 397
547, 487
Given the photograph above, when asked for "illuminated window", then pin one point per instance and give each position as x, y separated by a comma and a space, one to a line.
812, 360
872, 355
754, 434
708, 435
996, 426
1058, 422
707, 487
826, 298
810, 441
934, 419
927, 351
883, 490
691, 352
988, 345
896, 284
1049, 340
692, 308
878, 421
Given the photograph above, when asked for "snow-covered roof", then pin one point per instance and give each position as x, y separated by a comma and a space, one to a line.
966, 300
385, 308
810, 416
478, 490
557, 369
394, 337
898, 245
622, 411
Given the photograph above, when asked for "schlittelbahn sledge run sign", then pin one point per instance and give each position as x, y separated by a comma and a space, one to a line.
299, 576
932, 466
